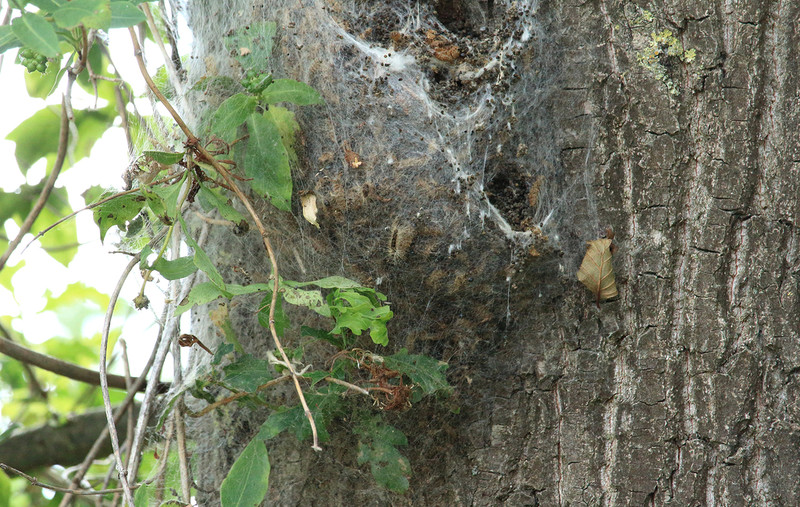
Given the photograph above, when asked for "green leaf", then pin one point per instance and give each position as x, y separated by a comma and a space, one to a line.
358, 310
37, 136
201, 294
8, 39
324, 407
142, 495
289, 90
175, 269
124, 14
231, 114
281, 320
201, 259
47, 5
89, 13
42, 85
248, 480
117, 211
211, 199
5, 490
36, 33
223, 350
378, 446
240, 290
267, 162
247, 373
425, 371
164, 157
169, 196
287, 126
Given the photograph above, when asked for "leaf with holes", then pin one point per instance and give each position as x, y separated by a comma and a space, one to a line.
118, 211
596, 271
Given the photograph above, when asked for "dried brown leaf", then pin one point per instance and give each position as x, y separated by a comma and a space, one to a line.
596, 271
309, 202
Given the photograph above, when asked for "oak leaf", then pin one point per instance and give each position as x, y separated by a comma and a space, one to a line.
596, 271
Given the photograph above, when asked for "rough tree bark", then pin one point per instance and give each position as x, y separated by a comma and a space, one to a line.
683, 390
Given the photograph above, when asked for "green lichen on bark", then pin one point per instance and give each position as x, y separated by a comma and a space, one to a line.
660, 51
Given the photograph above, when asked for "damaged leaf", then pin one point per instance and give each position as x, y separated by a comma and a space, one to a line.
309, 202
596, 271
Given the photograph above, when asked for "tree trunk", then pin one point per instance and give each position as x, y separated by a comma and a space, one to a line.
482, 176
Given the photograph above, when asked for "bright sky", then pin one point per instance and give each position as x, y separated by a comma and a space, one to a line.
93, 265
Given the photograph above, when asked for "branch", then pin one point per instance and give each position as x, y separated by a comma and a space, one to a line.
65, 445
112, 430
64, 368
197, 146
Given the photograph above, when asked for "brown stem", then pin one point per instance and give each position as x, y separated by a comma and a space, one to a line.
63, 368
195, 144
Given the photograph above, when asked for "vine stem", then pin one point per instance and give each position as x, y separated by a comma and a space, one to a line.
195, 145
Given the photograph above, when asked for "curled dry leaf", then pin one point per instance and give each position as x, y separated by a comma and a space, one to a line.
596, 271
309, 202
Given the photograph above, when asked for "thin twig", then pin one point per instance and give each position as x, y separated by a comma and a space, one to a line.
162, 346
348, 385
71, 491
90, 456
213, 221
183, 457
63, 140
112, 429
196, 145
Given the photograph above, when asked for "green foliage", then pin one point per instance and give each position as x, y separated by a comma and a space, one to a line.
267, 161
262, 137
118, 211
289, 90
377, 445
36, 33
424, 371
124, 14
89, 13
231, 114
360, 309
248, 479
247, 373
